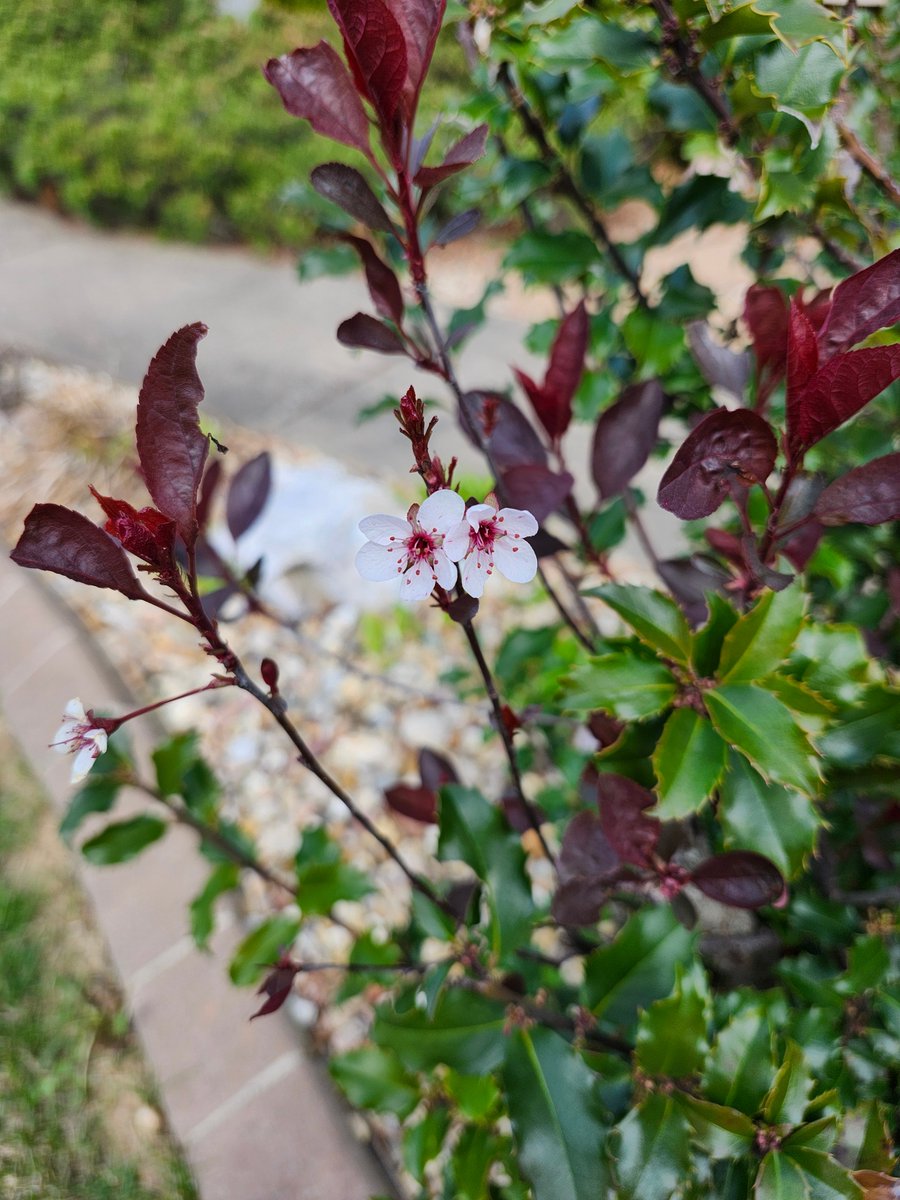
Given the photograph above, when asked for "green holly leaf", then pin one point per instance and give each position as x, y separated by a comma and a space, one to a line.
322, 877
710, 638
657, 345
773, 820
826, 1179
652, 1151
555, 1117
655, 618
628, 687
123, 840
868, 966
740, 1069
544, 257
638, 966
465, 1032
100, 790
763, 637
806, 80
811, 710
868, 729
371, 1077
763, 729
722, 1132
671, 1038
832, 660
788, 1096
875, 1150
475, 832
423, 1142
261, 948
222, 878
779, 1178
688, 762
476, 1096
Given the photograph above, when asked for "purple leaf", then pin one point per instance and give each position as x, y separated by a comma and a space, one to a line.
625, 435
867, 495
510, 437
436, 770
552, 400
417, 803
545, 545
67, 543
862, 304
766, 315
376, 50
839, 390
384, 287
315, 84
740, 879
535, 488
420, 21
606, 729
802, 360
719, 366
458, 227
725, 448
276, 987
517, 812
170, 445
690, 580
631, 833
212, 477
588, 867
349, 190
248, 494
363, 332
460, 155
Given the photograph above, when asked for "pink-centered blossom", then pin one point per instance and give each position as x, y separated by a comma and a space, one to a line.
78, 735
490, 537
412, 550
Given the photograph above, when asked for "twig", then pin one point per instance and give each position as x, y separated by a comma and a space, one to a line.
873, 167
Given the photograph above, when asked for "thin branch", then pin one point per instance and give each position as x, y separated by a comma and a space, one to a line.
873, 167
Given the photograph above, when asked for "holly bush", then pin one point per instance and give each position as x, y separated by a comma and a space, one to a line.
705, 1002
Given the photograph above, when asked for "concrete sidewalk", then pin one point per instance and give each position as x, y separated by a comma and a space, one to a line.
271, 361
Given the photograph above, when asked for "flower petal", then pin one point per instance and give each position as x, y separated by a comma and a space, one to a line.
515, 559
478, 513
382, 529
378, 563
518, 520
441, 511
418, 582
63, 736
456, 541
444, 569
474, 572
84, 760
74, 710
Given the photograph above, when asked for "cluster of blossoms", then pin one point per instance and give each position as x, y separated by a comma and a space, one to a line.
441, 533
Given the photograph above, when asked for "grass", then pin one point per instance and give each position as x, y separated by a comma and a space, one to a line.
78, 1120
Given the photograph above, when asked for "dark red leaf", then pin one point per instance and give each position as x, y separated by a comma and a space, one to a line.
631, 833
170, 444
729, 545
65, 542
690, 580
625, 435
517, 812
248, 494
802, 360
800, 546
436, 770
384, 287
314, 84
862, 304
839, 390
420, 21
458, 227
719, 366
536, 488
766, 315
363, 332
867, 495
816, 310
460, 155
552, 400
212, 477
739, 878
417, 803
725, 448
144, 532
276, 987
510, 437
606, 729
588, 867
349, 190
376, 50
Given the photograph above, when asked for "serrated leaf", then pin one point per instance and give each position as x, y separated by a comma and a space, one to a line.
638, 966
554, 1113
620, 684
653, 1150
828, 1179
788, 1097
465, 1032
779, 1178
806, 79
709, 639
688, 762
123, 840
722, 1132
370, 1077
671, 1038
739, 1069
763, 729
655, 618
772, 820
222, 879
422, 1142
763, 637
476, 1096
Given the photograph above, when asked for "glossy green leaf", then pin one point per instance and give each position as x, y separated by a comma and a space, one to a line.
671, 1038
590, 37
788, 1097
466, 1033
833, 660
322, 877
814, 1135
870, 729
779, 1178
123, 840
655, 618
370, 1077
554, 1112
826, 1177
223, 877
739, 1070
477, 833
657, 345
764, 730
688, 762
722, 1132
652, 1150
638, 966
812, 710
476, 1096
875, 1148
763, 637
868, 965
470, 1161
544, 257
709, 639
628, 687
773, 820
100, 790
261, 948
805, 79
423, 1142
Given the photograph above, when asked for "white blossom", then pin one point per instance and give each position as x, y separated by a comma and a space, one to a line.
412, 550
489, 537
78, 736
